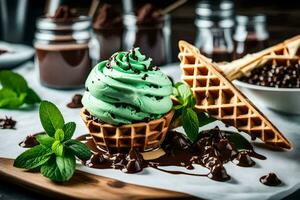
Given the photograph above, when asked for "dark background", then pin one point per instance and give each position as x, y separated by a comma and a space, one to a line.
283, 22
283, 17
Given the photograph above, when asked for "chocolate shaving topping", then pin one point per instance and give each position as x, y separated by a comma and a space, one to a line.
76, 102
108, 17
7, 123
136, 71
65, 13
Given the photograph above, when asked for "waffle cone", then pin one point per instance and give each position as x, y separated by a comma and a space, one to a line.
287, 50
144, 136
217, 96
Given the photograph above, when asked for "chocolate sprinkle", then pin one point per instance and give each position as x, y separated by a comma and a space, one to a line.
7, 123
145, 76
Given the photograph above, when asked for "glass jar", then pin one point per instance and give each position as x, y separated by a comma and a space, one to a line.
214, 24
215, 41
251, 35
62, 51
153, 39
106, 41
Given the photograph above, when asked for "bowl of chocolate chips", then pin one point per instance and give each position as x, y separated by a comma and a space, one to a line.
275, 84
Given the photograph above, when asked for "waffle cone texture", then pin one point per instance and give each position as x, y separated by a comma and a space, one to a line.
144, 136
217, 96
286, 52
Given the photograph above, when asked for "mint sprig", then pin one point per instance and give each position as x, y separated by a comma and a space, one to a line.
56, 152
185, 111
15, 91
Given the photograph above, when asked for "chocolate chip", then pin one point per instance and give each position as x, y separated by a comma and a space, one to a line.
76, 102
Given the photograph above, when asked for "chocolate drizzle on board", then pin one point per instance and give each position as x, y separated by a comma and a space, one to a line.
211, 150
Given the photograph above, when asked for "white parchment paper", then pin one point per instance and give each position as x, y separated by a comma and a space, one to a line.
243, 185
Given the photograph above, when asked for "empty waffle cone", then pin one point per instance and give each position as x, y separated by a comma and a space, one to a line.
144, 136
217, 96
289, 49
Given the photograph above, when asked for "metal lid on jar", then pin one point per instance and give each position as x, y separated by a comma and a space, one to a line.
50, 24
219, 13
216, 9
61, 30
253, 19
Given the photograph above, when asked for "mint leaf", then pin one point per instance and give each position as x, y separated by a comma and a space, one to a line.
204, 119
79, 149
190, 123
14, 81
59, 135
15, 91
50, 117
57, 148
59, 169
32, 97
33, 157
10, 99
238, 141
69, 129
45, 140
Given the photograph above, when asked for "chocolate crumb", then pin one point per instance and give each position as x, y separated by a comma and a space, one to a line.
136, 71
7, 123
145, 76
76, 102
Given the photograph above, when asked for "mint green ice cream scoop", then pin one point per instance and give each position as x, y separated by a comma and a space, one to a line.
126, 89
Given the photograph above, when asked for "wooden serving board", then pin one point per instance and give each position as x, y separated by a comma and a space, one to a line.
83, 186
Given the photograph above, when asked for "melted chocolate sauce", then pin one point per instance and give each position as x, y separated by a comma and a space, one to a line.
76, 102
7, 123
211, 150
271, 180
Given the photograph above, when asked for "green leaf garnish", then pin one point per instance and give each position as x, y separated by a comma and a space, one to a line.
185, 111
190, 123
51, 118
55, 155
33, 157
79, 149
238, 141
15, 91
69, 129
59, 169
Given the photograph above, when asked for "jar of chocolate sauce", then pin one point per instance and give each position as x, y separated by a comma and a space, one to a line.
62, 51
108, 33
251, 35
215, 24
151, 33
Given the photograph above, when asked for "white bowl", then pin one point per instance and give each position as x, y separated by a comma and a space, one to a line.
285, 100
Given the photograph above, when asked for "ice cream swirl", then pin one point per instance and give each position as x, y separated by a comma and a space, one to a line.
126, 89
